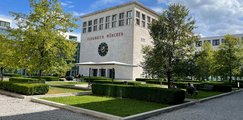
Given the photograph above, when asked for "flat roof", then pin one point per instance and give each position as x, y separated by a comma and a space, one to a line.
119, 6
112, 63
211, 37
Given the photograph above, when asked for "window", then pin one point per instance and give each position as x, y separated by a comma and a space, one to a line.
90, 22
84, 30
137, 14
113, 21
144, 24
121, 22
84, 24
207, 41
107, 24
137, 21
198, 43
4, 24
121, 16
129, 14
75, 38
90, 26
101, 26
216, 42
129, 18
148, 21
101, 20
143, 16
107, 19
222, 41
95, 25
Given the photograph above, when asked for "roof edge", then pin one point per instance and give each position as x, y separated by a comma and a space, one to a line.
119, 6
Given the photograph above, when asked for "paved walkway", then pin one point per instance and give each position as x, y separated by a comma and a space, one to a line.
225, 108
19, 109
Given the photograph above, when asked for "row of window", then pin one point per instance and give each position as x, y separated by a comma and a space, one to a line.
214, 42
110, 22
4, 24
143, 19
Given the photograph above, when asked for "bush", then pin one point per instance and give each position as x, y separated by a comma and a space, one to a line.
47, 78
152, 94
91, 78
116, 82
222, 88
12, 75
25, 80
25, 89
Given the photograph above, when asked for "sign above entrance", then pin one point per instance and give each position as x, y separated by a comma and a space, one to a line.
109, 35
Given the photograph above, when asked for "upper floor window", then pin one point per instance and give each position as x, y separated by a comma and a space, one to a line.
216, 42
121, 16
129, 14
137, 14
84, 24
95, 21
143, 16
101, 20
90, 22
113, 17
107, 19
222, 41
4, 24
209, 41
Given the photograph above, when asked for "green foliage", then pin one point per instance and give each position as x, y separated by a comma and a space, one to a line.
92, 78
173, 41
116, 82
26, 89
204, 61
228, 58
25, 80
47, 78
43, 47
159, 95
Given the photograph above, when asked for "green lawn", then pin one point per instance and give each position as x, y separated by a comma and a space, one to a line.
57, 90
115, 106
64, 83
203, 94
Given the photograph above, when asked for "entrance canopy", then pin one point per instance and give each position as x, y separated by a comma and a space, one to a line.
110, 63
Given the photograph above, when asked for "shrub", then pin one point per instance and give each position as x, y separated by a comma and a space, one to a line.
26, 89
25, 80
116, 82
152, 94
222, 88
91, 78
12, 75
47, 78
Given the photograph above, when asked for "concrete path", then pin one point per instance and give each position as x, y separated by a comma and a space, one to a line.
224, 108
19, 109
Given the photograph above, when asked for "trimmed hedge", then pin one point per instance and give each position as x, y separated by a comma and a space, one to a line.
219, 87
25, 89
152, 94
47, 78
91, 78
25, 80
116, 82
12, 75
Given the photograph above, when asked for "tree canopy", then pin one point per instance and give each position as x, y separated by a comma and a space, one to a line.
173, 41
42, 46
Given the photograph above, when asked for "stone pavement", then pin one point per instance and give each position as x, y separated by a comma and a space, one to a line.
224, 108
19, 109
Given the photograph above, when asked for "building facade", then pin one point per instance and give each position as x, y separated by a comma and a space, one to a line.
214, 40
113, 39
4, 25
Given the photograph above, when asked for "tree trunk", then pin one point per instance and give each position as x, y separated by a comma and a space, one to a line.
169, 79
2, 73
40, 74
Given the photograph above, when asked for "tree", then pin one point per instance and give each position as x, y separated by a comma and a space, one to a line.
7, 52
204, 61
228, 59
173, 40
43, 47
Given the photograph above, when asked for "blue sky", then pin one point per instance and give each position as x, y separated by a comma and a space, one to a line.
213, 17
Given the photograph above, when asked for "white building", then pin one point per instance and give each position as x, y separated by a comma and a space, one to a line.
5, 24
113, 38
214, 40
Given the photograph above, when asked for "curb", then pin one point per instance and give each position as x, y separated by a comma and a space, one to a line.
77, 110
158, 111
218, 96
13, 94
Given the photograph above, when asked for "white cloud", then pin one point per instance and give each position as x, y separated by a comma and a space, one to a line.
157, 9
67, 4
75, 13
214, 17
